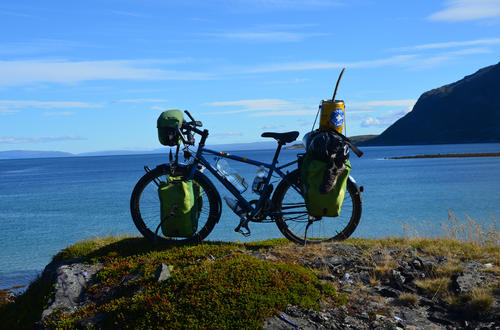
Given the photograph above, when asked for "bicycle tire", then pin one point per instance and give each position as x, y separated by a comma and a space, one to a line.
145, 206
325, 230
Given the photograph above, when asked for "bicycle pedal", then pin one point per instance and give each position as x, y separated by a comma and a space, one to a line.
244, 233
243, 229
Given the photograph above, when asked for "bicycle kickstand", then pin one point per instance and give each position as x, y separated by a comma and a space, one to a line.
309, 223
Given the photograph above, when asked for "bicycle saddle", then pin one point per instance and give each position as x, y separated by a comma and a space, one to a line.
282, 138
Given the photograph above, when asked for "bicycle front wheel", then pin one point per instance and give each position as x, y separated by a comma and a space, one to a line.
145, 206
292, 218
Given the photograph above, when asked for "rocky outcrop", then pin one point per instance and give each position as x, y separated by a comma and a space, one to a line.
383, 293
71, 279
382, 288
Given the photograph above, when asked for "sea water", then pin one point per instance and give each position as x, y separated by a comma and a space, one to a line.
48, 204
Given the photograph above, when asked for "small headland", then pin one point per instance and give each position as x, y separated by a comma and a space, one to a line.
483, 154
127, 282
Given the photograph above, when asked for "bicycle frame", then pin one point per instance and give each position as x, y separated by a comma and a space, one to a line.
252, 211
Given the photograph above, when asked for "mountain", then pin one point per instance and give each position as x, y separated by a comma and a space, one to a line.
12, 154
17, 154
465, 111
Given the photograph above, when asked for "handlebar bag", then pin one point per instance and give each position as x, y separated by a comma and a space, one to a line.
168, 124
180, 205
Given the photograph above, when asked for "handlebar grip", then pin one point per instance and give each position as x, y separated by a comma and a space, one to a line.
358, 152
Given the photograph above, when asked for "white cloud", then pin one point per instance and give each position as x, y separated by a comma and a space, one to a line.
370, 122
284, 113
267, 36
466, 10
128, 14
159, 108
293, 81
385, 119
227, 134
266, 107
252, 105
321, 65
452, 44
397, 103
40, 46
292, 4
38, 139
369, 106
142, 101
7, 111
14, 73
46, 104
58, 113
470, 51
269, 127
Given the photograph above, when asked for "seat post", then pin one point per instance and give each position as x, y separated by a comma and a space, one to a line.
277, 153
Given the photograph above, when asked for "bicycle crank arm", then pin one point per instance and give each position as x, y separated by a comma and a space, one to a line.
242, 228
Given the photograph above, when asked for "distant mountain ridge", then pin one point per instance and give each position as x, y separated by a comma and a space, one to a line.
19, 154
466, 111
23, 154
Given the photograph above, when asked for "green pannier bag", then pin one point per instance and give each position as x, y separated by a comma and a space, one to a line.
168, 124
180, 204
321, 205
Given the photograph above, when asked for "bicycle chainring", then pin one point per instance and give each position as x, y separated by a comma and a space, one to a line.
263, 212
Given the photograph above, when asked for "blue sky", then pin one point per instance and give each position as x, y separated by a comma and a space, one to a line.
82, 76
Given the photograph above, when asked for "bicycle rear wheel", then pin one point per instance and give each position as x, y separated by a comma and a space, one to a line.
145, 206
292, 218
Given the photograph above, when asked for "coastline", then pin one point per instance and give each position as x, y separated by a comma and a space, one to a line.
481, 154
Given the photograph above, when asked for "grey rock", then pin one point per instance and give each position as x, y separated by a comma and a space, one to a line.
335, 260
388, 292
427, 263
398, 279
162, 273
71, 281
468, 278
364, 277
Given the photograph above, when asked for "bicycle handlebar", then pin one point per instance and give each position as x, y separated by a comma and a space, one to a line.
193, 122
351, 145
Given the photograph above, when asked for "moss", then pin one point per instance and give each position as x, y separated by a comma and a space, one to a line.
235, 291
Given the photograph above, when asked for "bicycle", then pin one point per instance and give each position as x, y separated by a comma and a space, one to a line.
286, 206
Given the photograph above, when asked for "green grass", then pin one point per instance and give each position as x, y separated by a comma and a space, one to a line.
213, 285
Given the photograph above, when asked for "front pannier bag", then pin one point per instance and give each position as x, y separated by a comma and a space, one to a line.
168, 124
180, 203
324, 171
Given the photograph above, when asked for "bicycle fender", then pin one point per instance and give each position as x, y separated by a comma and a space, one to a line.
358, 191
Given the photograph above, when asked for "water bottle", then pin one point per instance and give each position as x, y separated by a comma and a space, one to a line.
258, 182
234, 205
234, 178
